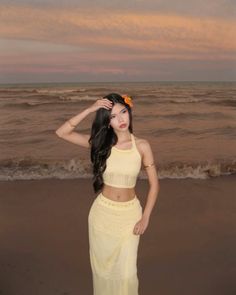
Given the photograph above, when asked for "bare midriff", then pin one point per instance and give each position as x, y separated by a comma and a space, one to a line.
117, 193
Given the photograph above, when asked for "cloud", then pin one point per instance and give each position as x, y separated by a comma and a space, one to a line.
56, 40
204, 8
121, 32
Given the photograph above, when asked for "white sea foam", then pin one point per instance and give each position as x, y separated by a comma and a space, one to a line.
75, 168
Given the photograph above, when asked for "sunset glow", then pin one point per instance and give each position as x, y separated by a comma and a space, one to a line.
66, 43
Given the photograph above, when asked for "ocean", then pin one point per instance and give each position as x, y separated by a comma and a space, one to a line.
191, 127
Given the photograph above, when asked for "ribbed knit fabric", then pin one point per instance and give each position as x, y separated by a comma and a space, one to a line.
123, 166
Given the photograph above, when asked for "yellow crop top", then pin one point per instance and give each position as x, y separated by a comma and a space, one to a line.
123, 166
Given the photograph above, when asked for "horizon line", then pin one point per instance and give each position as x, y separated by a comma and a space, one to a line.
125, 82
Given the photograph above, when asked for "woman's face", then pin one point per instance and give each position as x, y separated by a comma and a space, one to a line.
119, 117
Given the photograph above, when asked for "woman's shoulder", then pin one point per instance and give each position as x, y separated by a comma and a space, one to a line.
141, 143
140, 140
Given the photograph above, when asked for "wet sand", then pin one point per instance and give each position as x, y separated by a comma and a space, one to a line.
189, 247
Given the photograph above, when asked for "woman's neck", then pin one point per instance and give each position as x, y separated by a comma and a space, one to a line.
123, 136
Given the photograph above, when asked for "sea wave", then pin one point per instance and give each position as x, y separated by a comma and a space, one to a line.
27, 105
56, 101
60, 91
224, 102
78, 98
189, 115
29, 168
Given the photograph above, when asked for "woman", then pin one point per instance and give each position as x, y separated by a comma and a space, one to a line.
116, 218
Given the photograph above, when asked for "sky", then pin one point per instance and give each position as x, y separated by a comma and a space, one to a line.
114, 41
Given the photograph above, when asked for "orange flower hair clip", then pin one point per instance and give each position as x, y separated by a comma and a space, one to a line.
127, 99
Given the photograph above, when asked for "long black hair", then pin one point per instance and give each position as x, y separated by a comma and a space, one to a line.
103, 138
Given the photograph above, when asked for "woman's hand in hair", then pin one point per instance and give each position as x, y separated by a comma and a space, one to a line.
101, 103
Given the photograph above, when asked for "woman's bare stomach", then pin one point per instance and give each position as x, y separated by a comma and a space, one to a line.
118, 194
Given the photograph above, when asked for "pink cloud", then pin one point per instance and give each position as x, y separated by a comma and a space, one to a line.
85, 41
124, 33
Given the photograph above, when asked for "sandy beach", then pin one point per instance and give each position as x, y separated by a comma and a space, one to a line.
189, 247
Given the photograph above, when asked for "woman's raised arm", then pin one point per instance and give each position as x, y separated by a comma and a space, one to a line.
66, 132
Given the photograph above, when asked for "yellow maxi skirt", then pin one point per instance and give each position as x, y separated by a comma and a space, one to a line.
113, 246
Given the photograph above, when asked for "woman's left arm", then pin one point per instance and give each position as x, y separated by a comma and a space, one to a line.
154, 186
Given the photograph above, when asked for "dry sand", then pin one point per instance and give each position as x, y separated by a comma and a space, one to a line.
189, 247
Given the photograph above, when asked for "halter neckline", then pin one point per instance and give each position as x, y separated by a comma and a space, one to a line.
126, 150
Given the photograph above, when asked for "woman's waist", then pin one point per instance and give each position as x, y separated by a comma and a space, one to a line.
118, 194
